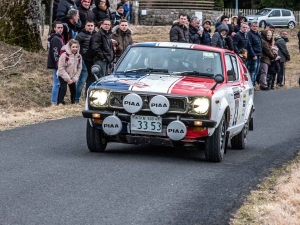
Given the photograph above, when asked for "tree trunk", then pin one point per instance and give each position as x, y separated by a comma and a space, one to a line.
19, 23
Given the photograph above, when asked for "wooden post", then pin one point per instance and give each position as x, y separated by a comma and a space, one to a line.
135, 11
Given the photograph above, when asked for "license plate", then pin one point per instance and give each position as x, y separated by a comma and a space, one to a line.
146, 123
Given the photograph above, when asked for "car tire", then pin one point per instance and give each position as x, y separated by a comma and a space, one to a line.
291, 25
262, 24
239, 141
95, 139
215, 144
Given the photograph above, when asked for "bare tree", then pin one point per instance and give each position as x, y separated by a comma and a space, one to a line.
19, 23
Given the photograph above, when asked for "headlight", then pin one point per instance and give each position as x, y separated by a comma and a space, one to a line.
98, 98
201, 105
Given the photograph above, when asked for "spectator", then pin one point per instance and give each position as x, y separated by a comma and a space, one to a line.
225, 20
54, 11
280, 42
78, 2
179, 31
118, 15
101, 11
240, 39
254, 51
233, 23
102, 47
56, 44
243, 55
69, 68
127, 10
240, 20
267, 57
270, 26
122, 35
63, 8
69, 22
85, 13
273, 68
220, 38
206, 39
195, 32
83, 39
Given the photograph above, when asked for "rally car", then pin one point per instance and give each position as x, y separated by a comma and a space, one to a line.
172, 94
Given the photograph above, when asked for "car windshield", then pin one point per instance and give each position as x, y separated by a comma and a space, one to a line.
177, 61
263, 12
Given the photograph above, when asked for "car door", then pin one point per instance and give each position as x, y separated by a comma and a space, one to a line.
237, 91
275, 17
286, 17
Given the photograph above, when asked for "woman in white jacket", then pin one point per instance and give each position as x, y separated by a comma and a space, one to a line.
69, 68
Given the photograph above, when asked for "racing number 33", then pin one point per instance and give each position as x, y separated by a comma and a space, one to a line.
146, 123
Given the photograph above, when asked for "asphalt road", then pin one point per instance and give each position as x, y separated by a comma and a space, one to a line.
48, 176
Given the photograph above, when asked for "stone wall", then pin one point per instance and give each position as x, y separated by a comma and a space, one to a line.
160, 17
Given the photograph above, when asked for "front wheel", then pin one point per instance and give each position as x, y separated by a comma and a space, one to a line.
95, 139
215, 144
291, 25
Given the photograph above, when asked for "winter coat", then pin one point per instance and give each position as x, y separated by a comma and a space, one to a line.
69, 65
267, 54
239, 41
230, 29
124, 39
56, 44
179, 33
70, 30
54, 12
84, 15
206, 39
63, 7
282, 49
84, 38
116, 17
237, 27
102, 47
219, 41
254, 44
194, 37
100, 14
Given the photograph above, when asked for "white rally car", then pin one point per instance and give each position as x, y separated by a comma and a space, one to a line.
172, 94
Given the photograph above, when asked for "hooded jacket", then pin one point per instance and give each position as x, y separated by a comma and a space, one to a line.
123, 38
179, 33
101, 14
56, 44
116, 17
69, 65
282, 49
102, 46
63, 7
222, 41
267, 55
84, 15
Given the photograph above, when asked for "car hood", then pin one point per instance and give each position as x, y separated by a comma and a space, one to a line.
158, 83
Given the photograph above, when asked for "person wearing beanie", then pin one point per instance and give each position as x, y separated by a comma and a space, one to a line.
118, 15
101, 11
220, 38
206, 39
225, 20
85, 13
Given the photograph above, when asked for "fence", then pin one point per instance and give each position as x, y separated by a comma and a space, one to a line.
177, 4
231, 12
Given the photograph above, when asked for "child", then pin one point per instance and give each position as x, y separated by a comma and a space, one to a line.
69, 68
273, 68
243, 54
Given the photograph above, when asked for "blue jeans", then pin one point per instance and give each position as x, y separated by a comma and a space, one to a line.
104, 68
253, 67
280, 73
81, 81
55, 87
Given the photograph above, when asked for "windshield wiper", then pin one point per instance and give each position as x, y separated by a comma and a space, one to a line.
192, 73
148, 69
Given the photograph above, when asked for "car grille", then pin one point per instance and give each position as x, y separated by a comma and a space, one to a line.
177, 104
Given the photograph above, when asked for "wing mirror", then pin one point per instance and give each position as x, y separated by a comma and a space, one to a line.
218, 79
96, 69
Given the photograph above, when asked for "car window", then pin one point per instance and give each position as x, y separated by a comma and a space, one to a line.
172, 59
275, 13
231, 68
263, 12
286, 13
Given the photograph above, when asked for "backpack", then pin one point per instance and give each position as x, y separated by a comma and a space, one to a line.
63, 50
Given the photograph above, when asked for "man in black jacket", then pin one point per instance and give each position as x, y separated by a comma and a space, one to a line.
69, 22
240, 39
84, 38
63, 8
195, 30
103, 52
56, 44
85, 13
180, 31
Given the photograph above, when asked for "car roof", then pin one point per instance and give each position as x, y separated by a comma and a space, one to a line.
181, 45
277, 8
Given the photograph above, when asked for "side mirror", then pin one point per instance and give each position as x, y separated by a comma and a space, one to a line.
219, 79
96, 69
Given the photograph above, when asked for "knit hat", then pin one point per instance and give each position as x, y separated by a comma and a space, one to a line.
120, 5
206, 21
85, 0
